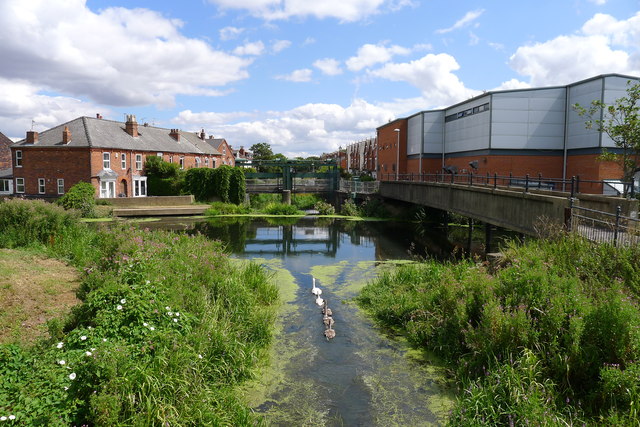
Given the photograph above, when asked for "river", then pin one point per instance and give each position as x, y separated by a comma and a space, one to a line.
365, 376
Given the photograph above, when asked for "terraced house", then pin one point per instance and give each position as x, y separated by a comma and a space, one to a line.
108, 154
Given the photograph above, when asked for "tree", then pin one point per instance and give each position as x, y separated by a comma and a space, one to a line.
621, 122
262, 151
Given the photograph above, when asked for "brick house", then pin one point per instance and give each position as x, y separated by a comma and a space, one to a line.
226, 153
6, 174
108, 154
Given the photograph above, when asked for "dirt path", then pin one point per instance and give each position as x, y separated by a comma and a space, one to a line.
33, 290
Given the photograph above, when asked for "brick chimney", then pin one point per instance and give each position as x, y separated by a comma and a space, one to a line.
202, 134
66, 135
175, 134
32, 137
98, 116
131, 126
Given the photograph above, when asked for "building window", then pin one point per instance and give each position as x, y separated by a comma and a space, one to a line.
197, 162
123, 161
138, 162
139, 186
60, 186
206, 162
159, 154
19, 185
18, 158
106, 161
5, 186
170, 159
181, 162
41, 188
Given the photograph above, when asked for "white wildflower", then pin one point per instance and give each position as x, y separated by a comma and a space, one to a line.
60, 345
169, 313
148, 281
145, 324
177, 314
72, 376
167, 308
119, 307
88, 353
83, 338
3, 418
199, 356
175, 319
12, 417
62, 362
152, 328
104, 340
123, 300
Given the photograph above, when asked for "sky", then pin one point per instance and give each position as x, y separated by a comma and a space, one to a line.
305, 76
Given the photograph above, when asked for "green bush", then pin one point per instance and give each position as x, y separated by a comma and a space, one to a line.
222, 182
281, 209
200, 183
155, 166
374, 208
304, 201
163, 178
259, 201
82, 197
221, 208
324, 208
349, 208
237, 186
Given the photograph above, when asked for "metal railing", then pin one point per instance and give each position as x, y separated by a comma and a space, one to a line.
536, 182
360, 187
604, 227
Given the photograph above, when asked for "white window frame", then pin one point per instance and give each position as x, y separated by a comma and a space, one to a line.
138, 162
20, 184
197, 162
18, 158
181, 162
160, 154
170, 159
6, 186
41, 186
139, 186
107, 188
106, 160
60, 185
206, 162
123, 161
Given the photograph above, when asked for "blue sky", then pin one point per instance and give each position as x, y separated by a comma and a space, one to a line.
305, 76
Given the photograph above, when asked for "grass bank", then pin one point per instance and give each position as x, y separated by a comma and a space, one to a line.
166, 333
551, 338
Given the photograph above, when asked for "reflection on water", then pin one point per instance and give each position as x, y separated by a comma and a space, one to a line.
364, 376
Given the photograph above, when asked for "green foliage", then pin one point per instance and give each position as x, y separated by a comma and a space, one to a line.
222, 182
259, 201
324, 208
201, 183
163, 178
558, 323
220, 208
349, 208
167, 331
27, 223
237, 186
304, 201
81, 197
374, 208
155, 166
281, 209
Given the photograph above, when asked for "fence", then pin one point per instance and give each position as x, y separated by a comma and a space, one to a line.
537, 182
360, 187
604, 227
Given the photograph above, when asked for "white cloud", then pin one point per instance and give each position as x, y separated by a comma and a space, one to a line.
299, 76
433, 75
467, 19
250, 49
597, 49
308, 129
343, 10
280, 45
22, 102
371, 54
188, 117
599, 2
328, 66
117, 56
230, 33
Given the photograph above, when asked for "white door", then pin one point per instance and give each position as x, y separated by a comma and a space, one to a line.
107, 189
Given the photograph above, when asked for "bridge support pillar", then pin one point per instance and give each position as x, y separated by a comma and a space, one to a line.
286, 197
488, 232
470, 236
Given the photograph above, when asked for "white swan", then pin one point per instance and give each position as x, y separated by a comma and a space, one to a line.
319, 301
315, 290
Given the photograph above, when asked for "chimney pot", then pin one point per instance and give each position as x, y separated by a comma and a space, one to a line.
175, 134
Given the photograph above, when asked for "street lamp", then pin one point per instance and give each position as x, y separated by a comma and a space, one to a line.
397, 131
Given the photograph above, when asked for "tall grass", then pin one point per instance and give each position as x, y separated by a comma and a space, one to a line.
166, 332
552, 338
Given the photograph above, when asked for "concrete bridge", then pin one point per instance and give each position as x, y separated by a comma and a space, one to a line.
520, 209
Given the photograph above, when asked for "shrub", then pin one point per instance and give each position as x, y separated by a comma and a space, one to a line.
349, 208
260, 201
374, 208
81, 197
281, 209
163, 178
221, 208
200, 183
222, 182
324, 208
304, 201
237, 186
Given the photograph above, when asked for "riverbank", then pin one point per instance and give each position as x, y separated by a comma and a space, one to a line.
551, 338
167, 331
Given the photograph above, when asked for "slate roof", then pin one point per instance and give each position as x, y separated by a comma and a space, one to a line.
216, 143
100, 133
6, 173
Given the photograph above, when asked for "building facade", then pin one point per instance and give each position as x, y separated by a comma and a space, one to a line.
525, 131
362, 157
108, 154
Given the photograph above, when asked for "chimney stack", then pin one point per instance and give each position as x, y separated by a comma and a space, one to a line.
98, 116
131, 126
175, 134
32, 137
66, 135
202, 134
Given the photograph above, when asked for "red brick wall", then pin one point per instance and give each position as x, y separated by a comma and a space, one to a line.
5, 152
70, 164
388, 149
